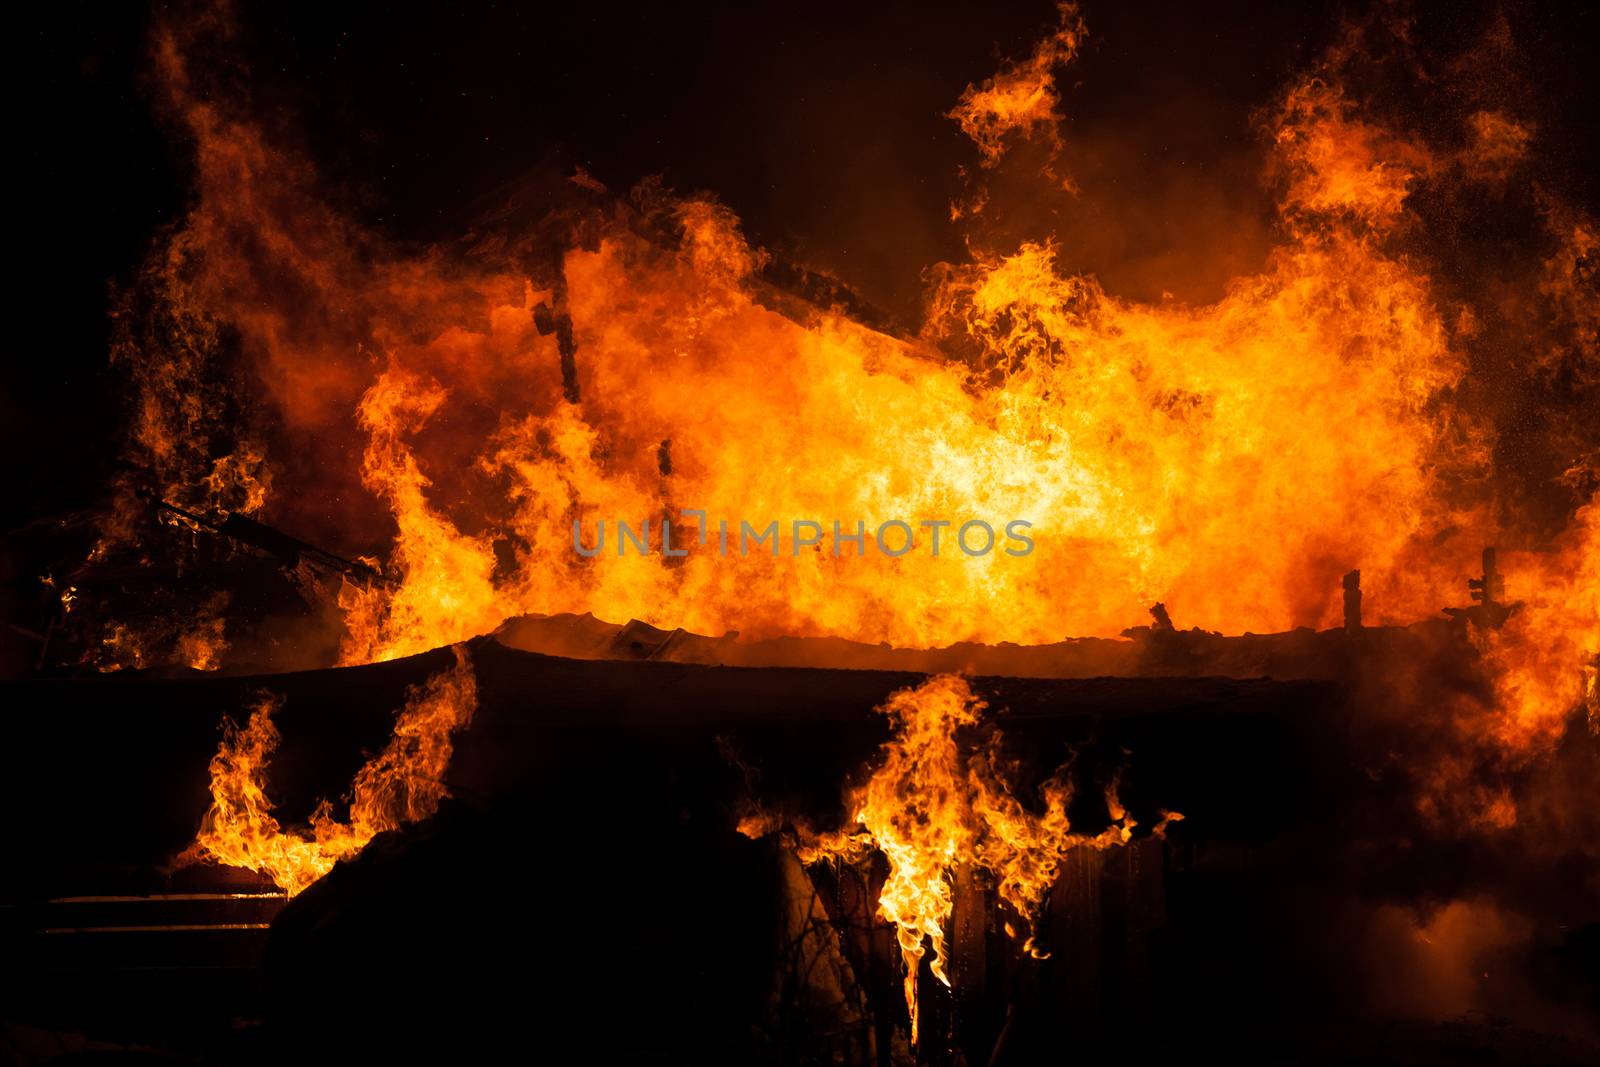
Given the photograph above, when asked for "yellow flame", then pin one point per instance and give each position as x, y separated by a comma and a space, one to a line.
935, 804
400, 785
1231, 459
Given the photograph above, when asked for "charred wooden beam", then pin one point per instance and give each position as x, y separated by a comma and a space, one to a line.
1491, 610
1352, 602
557, 319
292, 552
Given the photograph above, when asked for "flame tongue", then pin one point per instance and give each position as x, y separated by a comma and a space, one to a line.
934, 805
400, 785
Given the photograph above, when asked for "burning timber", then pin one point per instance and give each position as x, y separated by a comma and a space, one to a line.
579, 780
672, 743
294, 555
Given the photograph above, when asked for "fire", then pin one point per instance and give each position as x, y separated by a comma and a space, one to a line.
202, 646
1140, 441
459, 407
402, 784
1545, 657
1022, 98
936, 803
1145, 443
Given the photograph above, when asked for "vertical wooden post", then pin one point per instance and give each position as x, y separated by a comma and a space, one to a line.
1352, 602
1076, 926
968, 943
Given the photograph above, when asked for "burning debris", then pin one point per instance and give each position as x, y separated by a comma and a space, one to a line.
296, 556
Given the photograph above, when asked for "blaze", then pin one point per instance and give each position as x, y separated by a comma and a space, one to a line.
457, 408
402, 784
1161, 453
1545, 658
1231, 460
937, 802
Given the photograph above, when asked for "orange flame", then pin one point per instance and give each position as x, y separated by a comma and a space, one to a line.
934, 805
1231, 459
1544, 659
1022, 98
402, 784
1139, 441
203, 645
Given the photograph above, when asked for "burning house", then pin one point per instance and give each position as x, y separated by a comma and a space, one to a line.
581, 614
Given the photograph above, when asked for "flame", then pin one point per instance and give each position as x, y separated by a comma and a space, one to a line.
1499, 143
121, 648
1138, 440
1230, 459
1337, 163
202, 646
1145, 443
935, 804
1544, 659
402, 784
1022, 98
197, 641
